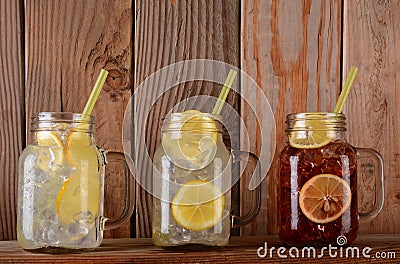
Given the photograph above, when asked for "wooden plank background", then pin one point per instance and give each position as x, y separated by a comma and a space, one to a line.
298, 52
66, 44
12, 135
292, 50
372, 41
172, 31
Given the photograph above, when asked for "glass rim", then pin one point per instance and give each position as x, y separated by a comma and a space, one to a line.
328, 121
202, 114
179, 119
315, 115
63, 117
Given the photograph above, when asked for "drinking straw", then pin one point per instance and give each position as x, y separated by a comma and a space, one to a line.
224, 92
95, 92
346, 90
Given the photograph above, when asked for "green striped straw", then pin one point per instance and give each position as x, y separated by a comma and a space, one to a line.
224, 92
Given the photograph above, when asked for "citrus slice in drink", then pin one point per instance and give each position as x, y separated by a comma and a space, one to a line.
324, 198
77, 143
191, 139
78, 200
198, 205
310, 133
53, 152
198, 133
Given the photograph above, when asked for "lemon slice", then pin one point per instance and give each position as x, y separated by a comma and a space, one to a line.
54, 152
198, 133
77, 143
324, 198
318, 135
198, 205
78, 200
190, 141
48, 139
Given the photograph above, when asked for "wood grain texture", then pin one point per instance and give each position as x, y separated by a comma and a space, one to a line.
12, 138
372, 43
292, 50
239, 250
67, 43
171, 31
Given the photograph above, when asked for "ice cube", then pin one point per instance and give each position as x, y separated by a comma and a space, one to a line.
83, 218
76, 231
46, 234
49, 214
186, 235
64, 171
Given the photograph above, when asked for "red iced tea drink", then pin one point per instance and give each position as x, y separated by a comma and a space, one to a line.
317, 181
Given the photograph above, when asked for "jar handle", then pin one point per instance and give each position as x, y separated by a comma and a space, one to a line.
374, 160
253, 165
112, 156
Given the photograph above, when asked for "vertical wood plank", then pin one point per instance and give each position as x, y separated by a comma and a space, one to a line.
12, 138
372, 43
67, 43
292, 50
171, 31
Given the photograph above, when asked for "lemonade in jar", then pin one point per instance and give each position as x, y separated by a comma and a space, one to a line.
191, 183
61, 185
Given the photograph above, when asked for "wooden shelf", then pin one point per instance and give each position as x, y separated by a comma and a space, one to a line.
240, 250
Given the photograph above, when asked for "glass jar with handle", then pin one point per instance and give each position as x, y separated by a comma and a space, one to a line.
61, 185
192, 178
317, 181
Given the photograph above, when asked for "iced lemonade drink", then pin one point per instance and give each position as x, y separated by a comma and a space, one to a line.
60, 197
191, 183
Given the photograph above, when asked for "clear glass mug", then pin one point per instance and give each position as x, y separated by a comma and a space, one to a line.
61, 185
317, 181
192, 177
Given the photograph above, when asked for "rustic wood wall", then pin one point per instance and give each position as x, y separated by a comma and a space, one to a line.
298, 52
173, 31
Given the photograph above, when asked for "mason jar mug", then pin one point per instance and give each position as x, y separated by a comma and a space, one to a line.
61, 185
317, 181
192, 177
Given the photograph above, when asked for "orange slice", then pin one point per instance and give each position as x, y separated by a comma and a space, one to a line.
324, 198
198, 205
